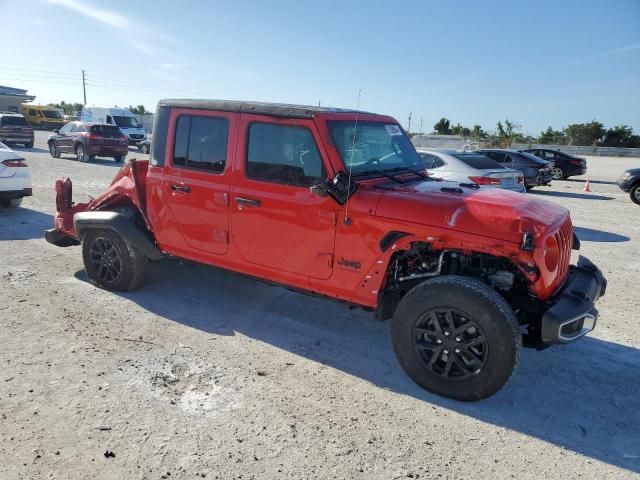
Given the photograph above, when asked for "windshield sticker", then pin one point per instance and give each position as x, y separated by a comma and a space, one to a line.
393, 130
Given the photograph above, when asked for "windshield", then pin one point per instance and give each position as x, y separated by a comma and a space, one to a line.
126, 122
14, 122
533, 158
107, 131
52, 114
479, 162
377, 146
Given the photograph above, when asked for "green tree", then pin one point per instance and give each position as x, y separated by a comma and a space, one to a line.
507, 133
68, 108
478, 133
443, 127
139, 110
619, 136
552, 137
585, 133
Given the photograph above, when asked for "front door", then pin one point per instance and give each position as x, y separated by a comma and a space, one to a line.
195, 183
276, 221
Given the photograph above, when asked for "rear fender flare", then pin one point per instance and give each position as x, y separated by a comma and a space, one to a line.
84, 221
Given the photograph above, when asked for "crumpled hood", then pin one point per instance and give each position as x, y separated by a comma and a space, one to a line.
490, 212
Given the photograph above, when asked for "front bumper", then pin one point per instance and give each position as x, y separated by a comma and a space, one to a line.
625, 185
573, 313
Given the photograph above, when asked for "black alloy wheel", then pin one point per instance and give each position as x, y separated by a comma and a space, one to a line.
450, 343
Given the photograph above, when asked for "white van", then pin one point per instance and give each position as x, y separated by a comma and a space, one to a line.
121, 117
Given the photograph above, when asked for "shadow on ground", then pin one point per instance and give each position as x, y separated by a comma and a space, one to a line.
593, 235
583, 397
596, 182
583, 196
23, 223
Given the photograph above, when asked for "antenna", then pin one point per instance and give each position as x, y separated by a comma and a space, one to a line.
347, 220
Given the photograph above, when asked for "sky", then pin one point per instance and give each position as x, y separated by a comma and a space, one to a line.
538, 63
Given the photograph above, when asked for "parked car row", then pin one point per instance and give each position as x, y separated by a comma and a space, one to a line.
15, 178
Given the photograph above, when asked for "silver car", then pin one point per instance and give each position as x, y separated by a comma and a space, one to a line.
469, 167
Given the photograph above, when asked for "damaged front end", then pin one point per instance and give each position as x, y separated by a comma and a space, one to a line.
63, 234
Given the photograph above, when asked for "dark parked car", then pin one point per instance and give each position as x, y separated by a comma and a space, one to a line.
536, 171
14, 128
88, 140
629, 181
564, 164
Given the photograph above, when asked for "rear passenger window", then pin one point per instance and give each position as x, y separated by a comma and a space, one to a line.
201, 142
283, 154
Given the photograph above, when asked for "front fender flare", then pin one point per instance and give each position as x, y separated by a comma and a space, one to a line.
84, 221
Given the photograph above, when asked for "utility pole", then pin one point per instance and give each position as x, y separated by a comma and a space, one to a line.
409, 129
84, 87
420, 125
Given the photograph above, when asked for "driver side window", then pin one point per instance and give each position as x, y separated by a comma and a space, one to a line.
283, 154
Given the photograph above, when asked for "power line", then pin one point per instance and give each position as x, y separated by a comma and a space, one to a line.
27, 70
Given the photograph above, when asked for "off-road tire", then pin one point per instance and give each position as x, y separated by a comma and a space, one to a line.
634, 193
477, 302
11, 203
132, 263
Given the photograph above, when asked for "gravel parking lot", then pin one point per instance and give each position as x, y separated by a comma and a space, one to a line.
205, 373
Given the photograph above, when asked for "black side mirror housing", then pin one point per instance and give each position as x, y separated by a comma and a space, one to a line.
55, 130
340, 187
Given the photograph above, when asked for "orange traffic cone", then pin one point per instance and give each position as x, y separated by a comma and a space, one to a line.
587, 186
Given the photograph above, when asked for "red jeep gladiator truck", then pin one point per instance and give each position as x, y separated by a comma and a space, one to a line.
336, 203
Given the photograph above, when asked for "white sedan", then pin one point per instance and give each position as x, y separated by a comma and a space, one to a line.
469, 167
15, 178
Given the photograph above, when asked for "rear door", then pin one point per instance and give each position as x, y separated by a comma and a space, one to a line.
276, 221
195, 183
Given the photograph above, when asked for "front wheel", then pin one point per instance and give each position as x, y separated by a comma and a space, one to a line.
111, 262
634, 193
456, 337
53, 150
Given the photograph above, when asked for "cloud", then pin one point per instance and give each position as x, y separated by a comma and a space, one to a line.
136, 34
173, 66
107, 17
608, 53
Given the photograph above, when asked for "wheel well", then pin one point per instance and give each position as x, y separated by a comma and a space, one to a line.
410, 267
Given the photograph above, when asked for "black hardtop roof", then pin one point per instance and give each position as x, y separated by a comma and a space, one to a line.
262, 108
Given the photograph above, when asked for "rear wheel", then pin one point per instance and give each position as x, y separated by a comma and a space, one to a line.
11, 203
557, 173
634, 193
81, 155
28, 145
111, 262
456, 337
119, 158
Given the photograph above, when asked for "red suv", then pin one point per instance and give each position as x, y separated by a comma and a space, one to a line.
89, 140
335, 203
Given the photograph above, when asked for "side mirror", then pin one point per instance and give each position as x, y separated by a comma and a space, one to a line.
55, 130
340, 188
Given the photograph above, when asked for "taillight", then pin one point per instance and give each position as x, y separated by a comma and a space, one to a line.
15, 163
520, 179
93, 138
485, 180
576, 162
124, 139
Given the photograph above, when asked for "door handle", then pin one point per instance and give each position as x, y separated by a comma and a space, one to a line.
176, 187
247, 202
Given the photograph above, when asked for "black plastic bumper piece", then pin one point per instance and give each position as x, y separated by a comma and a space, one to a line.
573, 313
54, 237
120, 224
